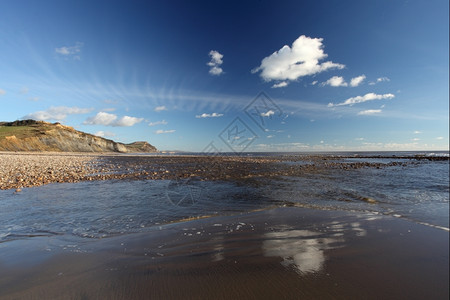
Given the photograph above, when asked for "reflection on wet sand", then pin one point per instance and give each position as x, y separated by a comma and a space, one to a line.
305, 249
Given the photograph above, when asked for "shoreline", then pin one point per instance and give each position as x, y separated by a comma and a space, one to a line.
28, 169
285, 252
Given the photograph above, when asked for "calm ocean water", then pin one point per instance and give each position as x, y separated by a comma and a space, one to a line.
418, 193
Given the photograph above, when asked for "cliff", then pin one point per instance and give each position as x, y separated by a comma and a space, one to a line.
30, 135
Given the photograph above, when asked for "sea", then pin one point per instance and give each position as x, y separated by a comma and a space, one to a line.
417, 192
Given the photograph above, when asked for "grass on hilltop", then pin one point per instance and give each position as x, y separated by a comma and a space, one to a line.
19, 131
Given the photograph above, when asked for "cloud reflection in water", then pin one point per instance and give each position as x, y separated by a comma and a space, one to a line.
305, 249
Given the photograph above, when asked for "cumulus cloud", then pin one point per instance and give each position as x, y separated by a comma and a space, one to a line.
369, 112
70, 51
127, 121
107, 119
160, 108
380, 79
160, 131
314, 82
56, 113
268, 113
357, 80
105, 134
291, 63
163, 122
215, 62
101, 118
280, 84
213, 115
2, 92
361, 99
335, 81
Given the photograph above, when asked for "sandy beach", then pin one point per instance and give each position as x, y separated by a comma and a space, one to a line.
283, 253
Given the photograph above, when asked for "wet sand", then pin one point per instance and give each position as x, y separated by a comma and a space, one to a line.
281, 253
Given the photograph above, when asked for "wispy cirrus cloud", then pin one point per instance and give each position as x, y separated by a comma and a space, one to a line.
160, 131
215, 62
58, 113
205, 115
163, 122
107, 119
369, 112
361, 99
291, 63
70, 51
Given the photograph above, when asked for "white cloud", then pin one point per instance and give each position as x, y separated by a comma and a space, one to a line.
314, 82
299, 61
417, 132
163, 122
56, 113
160, 131
370, 112
357, 80
2, 92
105, 134
215, 62
280, 85
213, 115
33, 98
101, 118
160, 108
335, 81
415, 139
70, 51
361, 99
380, 79
127, 121
440, 138
270, 136
268, 114
107, 119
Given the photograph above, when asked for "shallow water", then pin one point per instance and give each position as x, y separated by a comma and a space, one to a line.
418, 192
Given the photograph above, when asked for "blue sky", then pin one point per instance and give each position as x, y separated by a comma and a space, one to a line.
233, 76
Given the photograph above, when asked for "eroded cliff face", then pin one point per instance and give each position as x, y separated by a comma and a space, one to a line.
42, 136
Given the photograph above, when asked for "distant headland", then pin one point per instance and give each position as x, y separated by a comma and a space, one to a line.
40, 136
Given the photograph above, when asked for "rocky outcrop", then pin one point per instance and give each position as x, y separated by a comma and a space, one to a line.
30, 135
